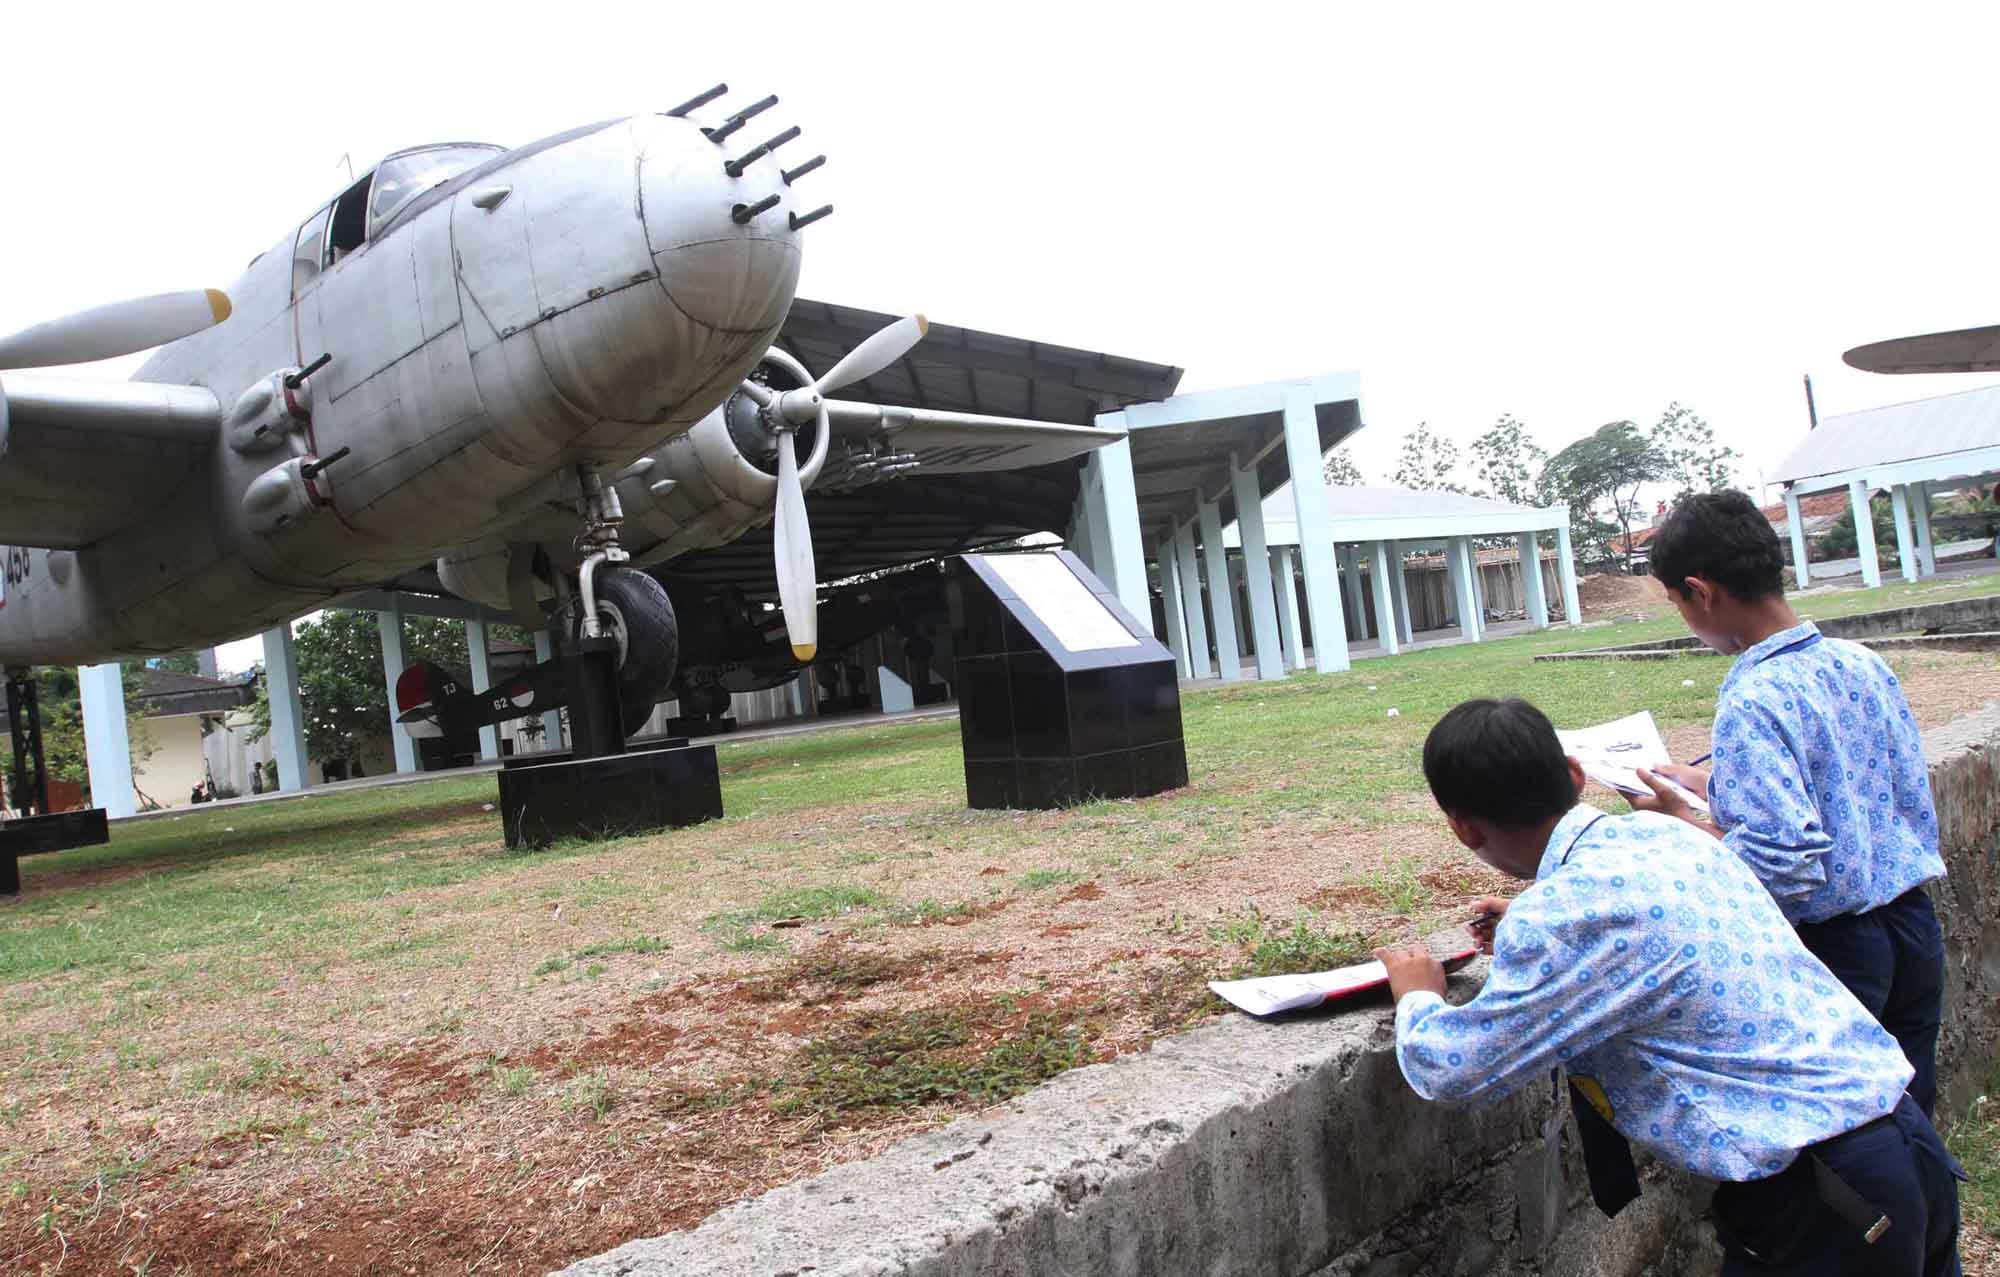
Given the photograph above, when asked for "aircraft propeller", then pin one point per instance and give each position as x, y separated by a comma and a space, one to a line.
786, 412
120, 328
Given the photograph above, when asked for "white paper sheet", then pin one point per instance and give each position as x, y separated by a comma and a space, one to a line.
1268, 995
1612, 753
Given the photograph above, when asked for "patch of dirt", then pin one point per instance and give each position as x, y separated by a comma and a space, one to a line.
1604, 595
1082, 891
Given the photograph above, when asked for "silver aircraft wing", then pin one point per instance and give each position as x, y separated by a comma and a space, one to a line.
873, 441
81, 459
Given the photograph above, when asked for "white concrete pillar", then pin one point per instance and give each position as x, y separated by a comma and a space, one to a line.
1796, 523
1906, 541
288, 719
1285, 586
1921, 512
1534, 595
1399, 586
1566, 573
1221, 599
1191, 613
1115, 519
1471, 624
1257, 582
1864, 533
1315, 526
551, 719
482, 680
1170, 596
1380, 571
106, 746
391, 624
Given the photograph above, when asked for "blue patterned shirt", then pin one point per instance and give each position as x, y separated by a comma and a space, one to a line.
1651, 963
1818, 779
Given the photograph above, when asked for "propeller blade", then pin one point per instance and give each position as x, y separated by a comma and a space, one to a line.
880, 350
121, 328
791, 539
1965, 350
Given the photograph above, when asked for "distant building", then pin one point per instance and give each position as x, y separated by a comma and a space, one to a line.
181, 711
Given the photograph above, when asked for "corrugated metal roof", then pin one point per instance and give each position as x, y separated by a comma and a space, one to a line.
1899, 432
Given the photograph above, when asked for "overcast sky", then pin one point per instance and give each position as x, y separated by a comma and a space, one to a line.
1575, 216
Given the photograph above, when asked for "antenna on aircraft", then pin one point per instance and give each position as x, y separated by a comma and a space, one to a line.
347, 158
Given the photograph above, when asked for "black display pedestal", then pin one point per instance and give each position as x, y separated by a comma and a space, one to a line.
609, 796
1063, 696
32, 835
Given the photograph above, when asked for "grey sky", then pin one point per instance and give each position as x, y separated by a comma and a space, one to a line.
1573, 216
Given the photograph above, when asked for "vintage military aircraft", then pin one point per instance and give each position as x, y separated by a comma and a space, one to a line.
540, 369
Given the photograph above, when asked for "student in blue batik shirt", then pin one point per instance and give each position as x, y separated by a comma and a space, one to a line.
1818, 779
1650, 963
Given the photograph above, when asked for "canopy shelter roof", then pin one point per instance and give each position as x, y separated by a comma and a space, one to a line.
1954, 436
1405, 515
1184, 446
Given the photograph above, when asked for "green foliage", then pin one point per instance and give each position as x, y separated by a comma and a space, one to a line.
1840, 541
1695, 461
178, 663
1341, 471
1599, 478
60, 699
1276, 951
1508, 461
1428, 462
341, 689
1036, 879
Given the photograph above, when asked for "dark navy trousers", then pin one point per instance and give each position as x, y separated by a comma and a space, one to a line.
1892, 960
1782, 1225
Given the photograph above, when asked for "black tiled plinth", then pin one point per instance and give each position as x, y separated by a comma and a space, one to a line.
58, 831
1045, 726
608, 797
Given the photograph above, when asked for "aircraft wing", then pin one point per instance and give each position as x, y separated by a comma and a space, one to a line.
81, 459
1963, 350
932, 441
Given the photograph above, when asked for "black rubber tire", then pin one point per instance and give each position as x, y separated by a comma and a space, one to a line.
635, 610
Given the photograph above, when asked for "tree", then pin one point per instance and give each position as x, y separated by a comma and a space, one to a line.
1341, 471
1427, 461
341, 690
1840, 541
1509, 461
1695, 461
59, 698
179, 663
1599, 477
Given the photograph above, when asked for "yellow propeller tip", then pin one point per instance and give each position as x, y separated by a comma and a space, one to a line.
218, 304
804, 652
923, 325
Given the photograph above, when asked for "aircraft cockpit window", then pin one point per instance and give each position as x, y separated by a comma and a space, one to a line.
401, 178
350, 221
311, 251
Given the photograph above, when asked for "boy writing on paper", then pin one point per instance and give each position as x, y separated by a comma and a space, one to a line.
1818, 779
1650, 963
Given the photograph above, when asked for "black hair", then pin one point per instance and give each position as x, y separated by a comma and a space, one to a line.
1499, 761
1722, 537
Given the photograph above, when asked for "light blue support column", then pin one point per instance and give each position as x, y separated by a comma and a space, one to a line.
1170, 597
107, 749
1256, 580
1478, 579
1459, 552
1906, 541
1118, 502
1399, 585
1864, 533
1379, 573
1097, 535
1534, 594
1348, 558
288, 719
551, 719
1801, 573
1315, 531
1566, 573
482, 681
1286, 586
391, 623
1921, 511
1191, 613
1237, 606
1221, 599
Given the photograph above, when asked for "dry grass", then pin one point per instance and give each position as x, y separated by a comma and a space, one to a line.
357, 1033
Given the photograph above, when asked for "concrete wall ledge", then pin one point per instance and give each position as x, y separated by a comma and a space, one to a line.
1291, 1148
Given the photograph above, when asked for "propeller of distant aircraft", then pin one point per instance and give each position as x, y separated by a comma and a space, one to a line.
120, 328
785, 412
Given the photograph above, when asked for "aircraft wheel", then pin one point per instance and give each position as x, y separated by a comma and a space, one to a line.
636, 614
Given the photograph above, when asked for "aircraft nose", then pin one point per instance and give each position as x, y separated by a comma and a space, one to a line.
718, 216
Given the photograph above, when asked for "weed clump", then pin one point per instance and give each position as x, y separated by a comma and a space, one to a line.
1276, 951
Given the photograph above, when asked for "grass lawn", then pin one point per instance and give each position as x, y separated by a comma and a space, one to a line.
357, 1033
